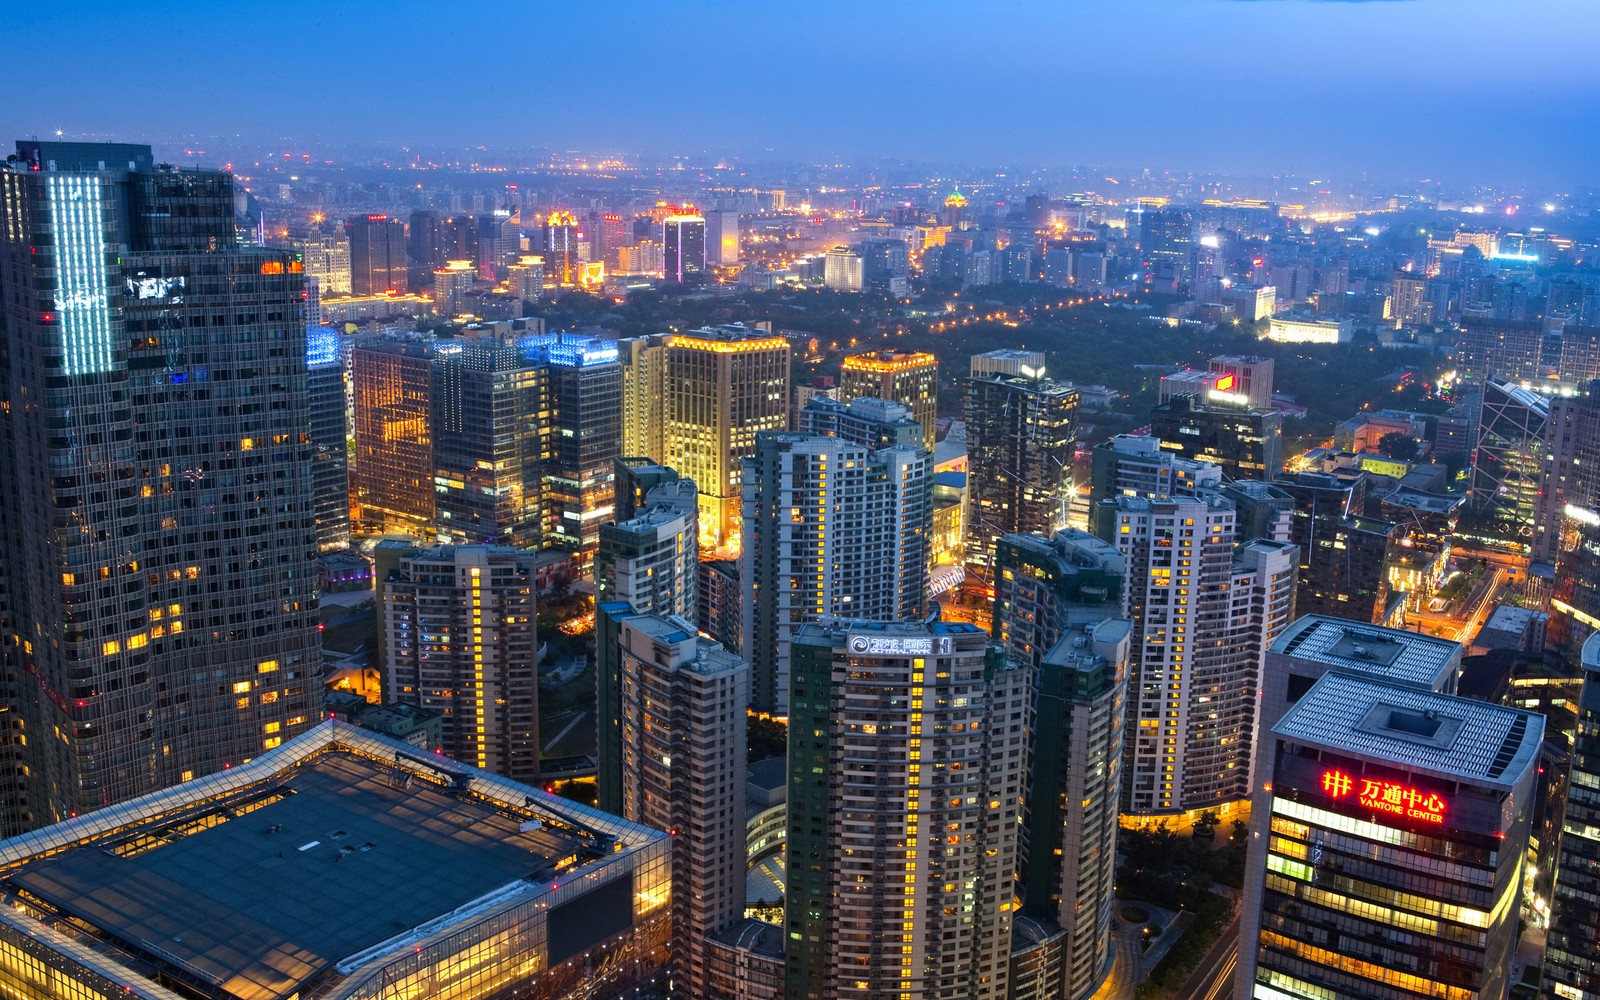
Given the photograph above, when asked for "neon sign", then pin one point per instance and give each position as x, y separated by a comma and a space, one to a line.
1385, 796
1225, 382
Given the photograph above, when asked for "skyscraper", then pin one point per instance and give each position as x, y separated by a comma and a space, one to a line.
682, 769
558, 243
1571, 969
377, 255
1343, 554
158, 489
651, 559
1166, 240
684, 236
1074, 788
488, 440
1507, 459
583, 437
459, 639
910, 378
902, 858
1048, 588
1393, 864
1137, 465
611, 233
1203, 617
700, 398
392, 477
831, 529
886, 266
330, 475
1246, 442
1021, 431
722, 237
842, 270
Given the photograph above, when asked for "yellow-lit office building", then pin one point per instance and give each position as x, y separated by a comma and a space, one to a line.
910, 378
695, 401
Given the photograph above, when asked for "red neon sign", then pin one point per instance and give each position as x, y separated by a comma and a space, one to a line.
1226, 382
1386, 796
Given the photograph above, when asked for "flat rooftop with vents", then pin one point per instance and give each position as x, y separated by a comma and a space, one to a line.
314, 868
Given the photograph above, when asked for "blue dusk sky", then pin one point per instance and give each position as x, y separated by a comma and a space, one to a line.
1469, 90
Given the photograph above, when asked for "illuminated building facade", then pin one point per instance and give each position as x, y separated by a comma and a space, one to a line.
558, 244
392, 476
899, 762
1203, 617
459, 639
453, 883
581, 419
1393, 860
684, 259
722, 237
1566, 525
526, 277
682, 769
1571, 970
155, 435
1246, 442
1252, 379
377, 255
488, 440
832, 529
716, 388
842, 270
1021, 433
910, 378
1508, 459
327, 259
1075, 784
330, 473
452, 284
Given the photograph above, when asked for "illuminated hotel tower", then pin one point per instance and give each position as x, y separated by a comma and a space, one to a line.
910, 378
695, 401
904, 794
155, 436
1393, 862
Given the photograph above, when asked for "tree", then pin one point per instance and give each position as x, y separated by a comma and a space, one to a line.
1205, 828
1399, 446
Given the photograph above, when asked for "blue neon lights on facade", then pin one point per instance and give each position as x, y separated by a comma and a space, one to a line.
322, 346
570, 350
83, 307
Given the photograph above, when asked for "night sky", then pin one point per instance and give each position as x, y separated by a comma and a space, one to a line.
1467, 90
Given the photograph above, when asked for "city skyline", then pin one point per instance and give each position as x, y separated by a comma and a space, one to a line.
1379, 89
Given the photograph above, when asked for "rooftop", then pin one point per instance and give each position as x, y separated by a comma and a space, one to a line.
1392, 654
313, 859
1454, 738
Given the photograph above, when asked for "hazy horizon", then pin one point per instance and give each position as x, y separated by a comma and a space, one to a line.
1469, 91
